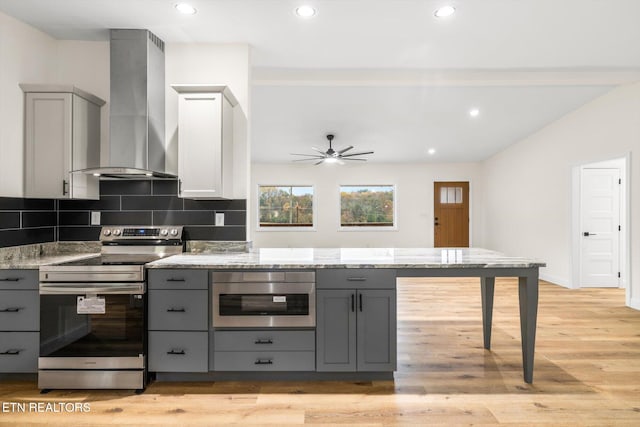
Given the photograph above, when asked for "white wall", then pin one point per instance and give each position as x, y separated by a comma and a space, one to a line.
527, 187
26, 56
414, 202
201, 63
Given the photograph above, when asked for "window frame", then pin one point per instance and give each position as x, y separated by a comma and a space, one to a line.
260, 228
393, 227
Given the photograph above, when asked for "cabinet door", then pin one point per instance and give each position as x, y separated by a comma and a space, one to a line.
376, 330
336, 330
200, 145
85, 149
48, 118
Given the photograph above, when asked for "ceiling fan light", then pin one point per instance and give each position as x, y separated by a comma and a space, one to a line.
331, 160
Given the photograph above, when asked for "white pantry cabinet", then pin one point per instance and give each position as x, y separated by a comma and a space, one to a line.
62, 134
205, 141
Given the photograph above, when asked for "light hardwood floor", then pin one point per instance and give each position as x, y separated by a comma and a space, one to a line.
587, 372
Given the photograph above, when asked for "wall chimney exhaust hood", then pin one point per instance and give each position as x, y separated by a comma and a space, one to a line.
137, 134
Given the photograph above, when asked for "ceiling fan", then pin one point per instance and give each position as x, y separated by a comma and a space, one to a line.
331, 155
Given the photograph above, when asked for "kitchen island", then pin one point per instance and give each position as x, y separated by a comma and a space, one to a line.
331, 263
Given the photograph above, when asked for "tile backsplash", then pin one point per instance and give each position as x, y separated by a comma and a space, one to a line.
151, 202
130, 202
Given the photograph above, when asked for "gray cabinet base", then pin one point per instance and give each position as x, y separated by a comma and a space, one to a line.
274, 376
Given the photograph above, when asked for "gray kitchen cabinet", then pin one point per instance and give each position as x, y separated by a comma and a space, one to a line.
62, 134
205, 141
178, 321
19, 321
356, 330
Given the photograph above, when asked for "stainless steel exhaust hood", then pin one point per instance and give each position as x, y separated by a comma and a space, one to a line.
137, 134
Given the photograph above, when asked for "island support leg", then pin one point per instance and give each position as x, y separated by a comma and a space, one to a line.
528, 292
487, 285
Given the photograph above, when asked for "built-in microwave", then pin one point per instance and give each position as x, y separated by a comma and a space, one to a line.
264, 299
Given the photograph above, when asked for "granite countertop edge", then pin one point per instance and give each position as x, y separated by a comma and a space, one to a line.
34, 263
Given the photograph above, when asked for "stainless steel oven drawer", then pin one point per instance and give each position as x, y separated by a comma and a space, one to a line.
178, 310
265, 340
178, 351
178, 279
19, 311
264, 361
19, 352
19, 279
356, 278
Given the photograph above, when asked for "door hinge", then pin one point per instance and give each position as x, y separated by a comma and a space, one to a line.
618, 274
619, 228
619, 180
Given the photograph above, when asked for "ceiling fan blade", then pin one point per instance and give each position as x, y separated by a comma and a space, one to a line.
361, 160
306, 160
318, 150
307, 155
344, 150
321, 161
358, 154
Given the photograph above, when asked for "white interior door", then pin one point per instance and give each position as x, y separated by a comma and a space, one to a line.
600, 222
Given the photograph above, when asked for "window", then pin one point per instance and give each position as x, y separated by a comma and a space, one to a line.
285, 206
368, 206
450, 195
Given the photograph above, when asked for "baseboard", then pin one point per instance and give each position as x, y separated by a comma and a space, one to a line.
556, 280
635, 303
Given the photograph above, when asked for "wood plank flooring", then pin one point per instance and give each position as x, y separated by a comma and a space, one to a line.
587, 372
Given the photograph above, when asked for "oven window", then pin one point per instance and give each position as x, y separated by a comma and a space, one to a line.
264, 304
119, 332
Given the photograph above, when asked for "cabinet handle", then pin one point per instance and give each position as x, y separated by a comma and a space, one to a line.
263, 362
176, 352
11, 353
11, 310
176, 310
356, 279
267, 341
175, 280
65, 185
353, 302
360, 296
11, 279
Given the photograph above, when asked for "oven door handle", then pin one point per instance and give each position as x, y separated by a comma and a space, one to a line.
88, 288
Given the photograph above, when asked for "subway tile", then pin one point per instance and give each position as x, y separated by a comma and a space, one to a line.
215, 233
156, 203
234, 217
128, 187
73, 218
71, 234
38, 219
215, 205
26, 236
126, 218
9, 220
18, 204
105, 203
183, 218
167, 187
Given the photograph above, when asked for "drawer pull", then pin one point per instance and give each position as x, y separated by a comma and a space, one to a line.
173, 279
11, 279
11, 310
11, 353
356, 279
176, 310
177, 352
267, 341
264, 362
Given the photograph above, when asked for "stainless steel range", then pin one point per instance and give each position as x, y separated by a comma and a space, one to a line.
93, 311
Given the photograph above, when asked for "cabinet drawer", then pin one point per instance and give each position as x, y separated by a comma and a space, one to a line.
265, 340
178, 310
178, 351
19, 311
178, 279
356, 278
264, 361
19, 279
19, 352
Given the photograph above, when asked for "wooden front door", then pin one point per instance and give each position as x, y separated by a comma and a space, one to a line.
451, 214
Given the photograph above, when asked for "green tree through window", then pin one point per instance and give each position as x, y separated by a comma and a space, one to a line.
286, 206
370, 206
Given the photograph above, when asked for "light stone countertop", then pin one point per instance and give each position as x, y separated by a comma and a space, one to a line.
33, 263
350, 258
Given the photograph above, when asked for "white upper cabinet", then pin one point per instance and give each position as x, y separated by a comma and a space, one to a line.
62, 134
205, 141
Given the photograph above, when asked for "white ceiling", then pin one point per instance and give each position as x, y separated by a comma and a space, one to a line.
385, 74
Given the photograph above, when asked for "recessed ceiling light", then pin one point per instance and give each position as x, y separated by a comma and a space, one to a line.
444, 11
431, 151
305, 11
185, 8
474, 112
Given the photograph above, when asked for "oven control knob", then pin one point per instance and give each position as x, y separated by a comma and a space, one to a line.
107, 232
174, 232
164, 232
117, 232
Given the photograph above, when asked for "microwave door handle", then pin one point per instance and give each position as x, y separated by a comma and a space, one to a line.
103, 289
